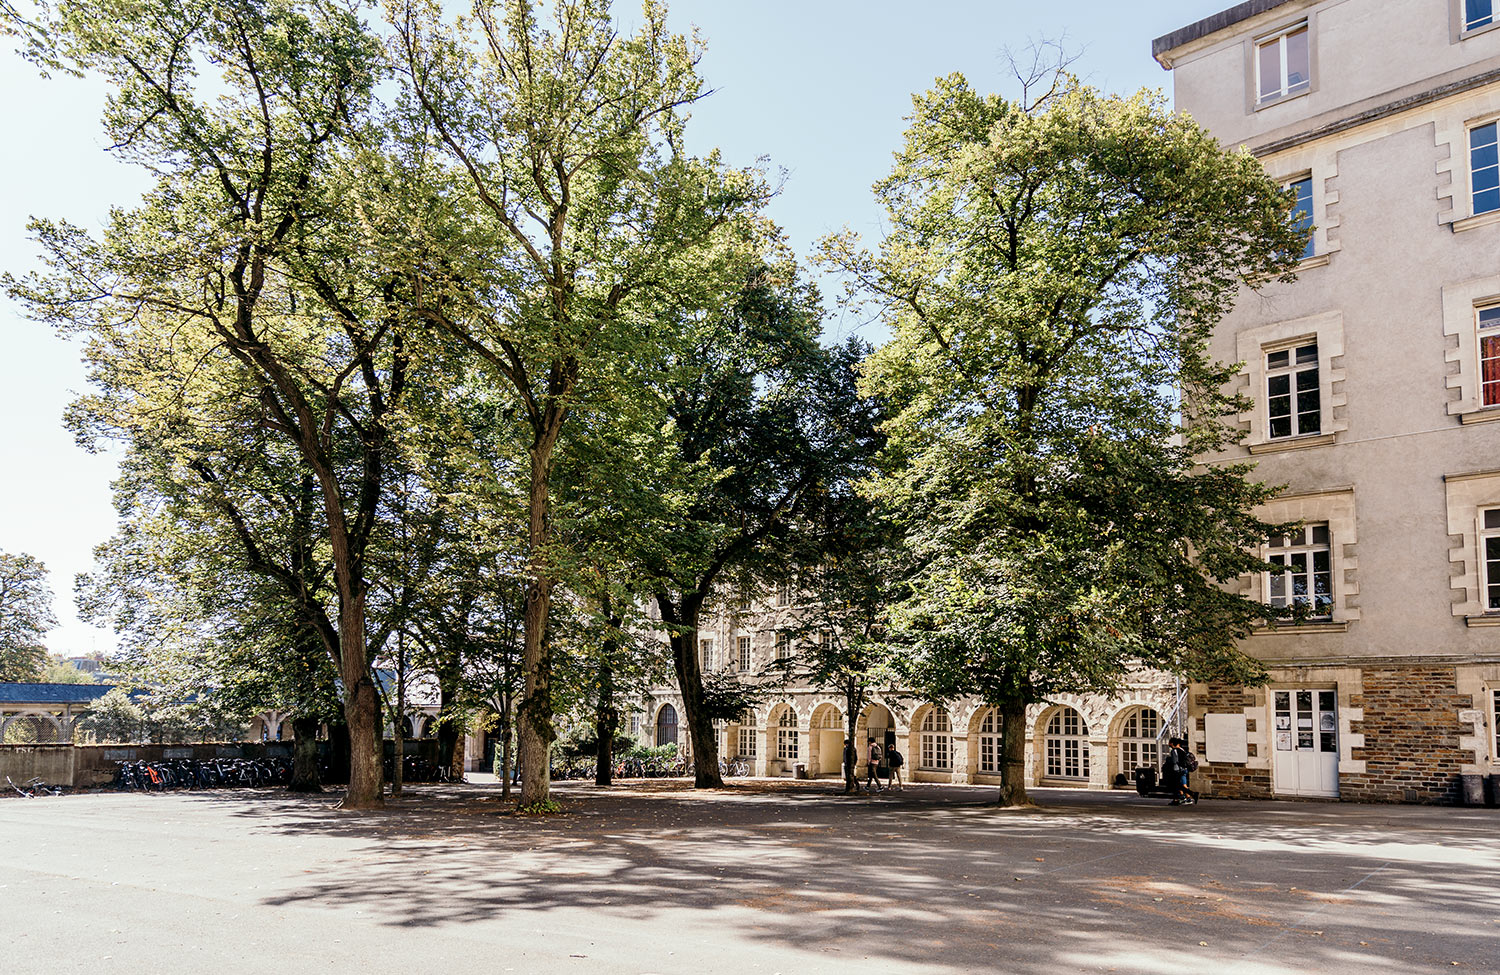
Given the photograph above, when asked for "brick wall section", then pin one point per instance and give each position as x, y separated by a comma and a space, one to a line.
1222, 780
1411, 731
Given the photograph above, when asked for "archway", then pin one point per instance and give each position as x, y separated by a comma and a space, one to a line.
32, 728
782, 743
1065, 746
666, 726
1136, 744
985, 748
825, 742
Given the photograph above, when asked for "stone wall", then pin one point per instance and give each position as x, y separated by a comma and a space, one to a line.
1226, 780
1411, 727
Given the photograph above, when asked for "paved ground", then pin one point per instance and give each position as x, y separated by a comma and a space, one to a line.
754, 880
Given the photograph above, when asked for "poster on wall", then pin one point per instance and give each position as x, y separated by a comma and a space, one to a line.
1283, 741
1325, 722
1283, 722
1224, 738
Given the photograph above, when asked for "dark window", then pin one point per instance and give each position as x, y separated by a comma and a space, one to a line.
1293, 405
1484, 168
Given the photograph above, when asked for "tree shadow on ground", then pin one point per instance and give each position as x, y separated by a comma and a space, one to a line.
940, 876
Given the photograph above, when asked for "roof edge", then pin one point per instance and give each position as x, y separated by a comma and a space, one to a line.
1209, 25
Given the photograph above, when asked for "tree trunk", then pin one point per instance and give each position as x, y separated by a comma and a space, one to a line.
1013, 755
305, 774
534, 716
362, 713
457, 751
505, 756
606, 717
701, 737
853, 704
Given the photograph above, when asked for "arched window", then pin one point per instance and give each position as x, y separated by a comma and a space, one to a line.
936, 741
1139, 746
989, 742
1067, 745
786, 735
666, 725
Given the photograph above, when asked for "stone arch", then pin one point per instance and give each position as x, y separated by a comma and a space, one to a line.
929, 746
37, 721
665, 725
825, 739
984, 749
783, 736
1133, 738
1061, 743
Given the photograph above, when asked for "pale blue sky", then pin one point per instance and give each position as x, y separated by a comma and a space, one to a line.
818, 87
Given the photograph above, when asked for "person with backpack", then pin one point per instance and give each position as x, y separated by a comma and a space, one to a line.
1188, 762
872, 766
1171, 772
893, 762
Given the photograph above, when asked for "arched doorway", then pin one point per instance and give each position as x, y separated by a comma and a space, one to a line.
1139, 746
825, 742
1066, 746
987, 741
935, 741
666, 726
786, 736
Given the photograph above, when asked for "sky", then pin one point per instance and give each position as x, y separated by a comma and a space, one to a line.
816, 90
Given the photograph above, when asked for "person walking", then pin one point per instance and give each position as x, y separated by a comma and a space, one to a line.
872, 766
1187, 765
851, 762
1171, 772
893, 762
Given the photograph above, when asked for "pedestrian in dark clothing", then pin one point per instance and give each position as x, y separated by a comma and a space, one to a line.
872, 766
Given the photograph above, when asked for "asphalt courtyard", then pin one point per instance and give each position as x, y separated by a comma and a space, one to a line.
756, 879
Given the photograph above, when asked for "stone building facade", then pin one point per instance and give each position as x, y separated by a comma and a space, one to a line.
1375, 379
1074, 740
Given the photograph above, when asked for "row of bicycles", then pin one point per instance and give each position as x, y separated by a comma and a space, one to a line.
189, 773
418, 769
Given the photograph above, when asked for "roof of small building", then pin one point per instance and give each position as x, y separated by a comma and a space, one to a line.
1212, 23
18, 692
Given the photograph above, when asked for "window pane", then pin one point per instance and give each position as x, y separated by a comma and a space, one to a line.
1302, 219
1489, 369
1325, 700
1307, 353
1320, 534
1298, 72
1477, 13
1304, 700
1484, 167
1492, 518
1489, 317
1270, 70
1278, 360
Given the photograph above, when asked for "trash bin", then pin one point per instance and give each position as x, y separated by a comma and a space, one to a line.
799, 771
1473, 789
1494, 784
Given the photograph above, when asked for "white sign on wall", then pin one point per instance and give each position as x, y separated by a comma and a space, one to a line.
1224, 738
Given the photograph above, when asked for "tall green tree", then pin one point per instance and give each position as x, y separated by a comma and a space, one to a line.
248, 253
578, 216
1051, 274
25, 617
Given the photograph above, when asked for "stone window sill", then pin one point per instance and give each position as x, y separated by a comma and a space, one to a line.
1291, 443
1477, 220
1261, 106
1323, 626
1482, 415
1485, 29
1316, 260
1486, 619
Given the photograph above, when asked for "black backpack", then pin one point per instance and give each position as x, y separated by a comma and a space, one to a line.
894, 758
1189, 761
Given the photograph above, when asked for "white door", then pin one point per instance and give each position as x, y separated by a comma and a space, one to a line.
1305, 739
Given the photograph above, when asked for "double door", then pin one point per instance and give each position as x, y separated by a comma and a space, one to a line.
1305, 742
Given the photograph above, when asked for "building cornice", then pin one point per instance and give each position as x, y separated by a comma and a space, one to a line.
1211, 24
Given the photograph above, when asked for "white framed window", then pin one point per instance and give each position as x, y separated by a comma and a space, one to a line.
786, 735
747, 743
1484, 166
635, 724
1495, 724
744, 648
1139, 745
783, 645
1067, 745
1489, 561
1487, 327
784, 594
706, 654
1305, 577
1478, 13
1283, 64
1293, 403
1302, 216
937, 741
989, 742
825, 642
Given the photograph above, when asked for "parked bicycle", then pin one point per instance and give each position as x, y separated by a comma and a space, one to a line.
35, 787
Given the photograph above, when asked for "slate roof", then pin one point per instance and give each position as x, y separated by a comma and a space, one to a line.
16, 692
1210, 24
